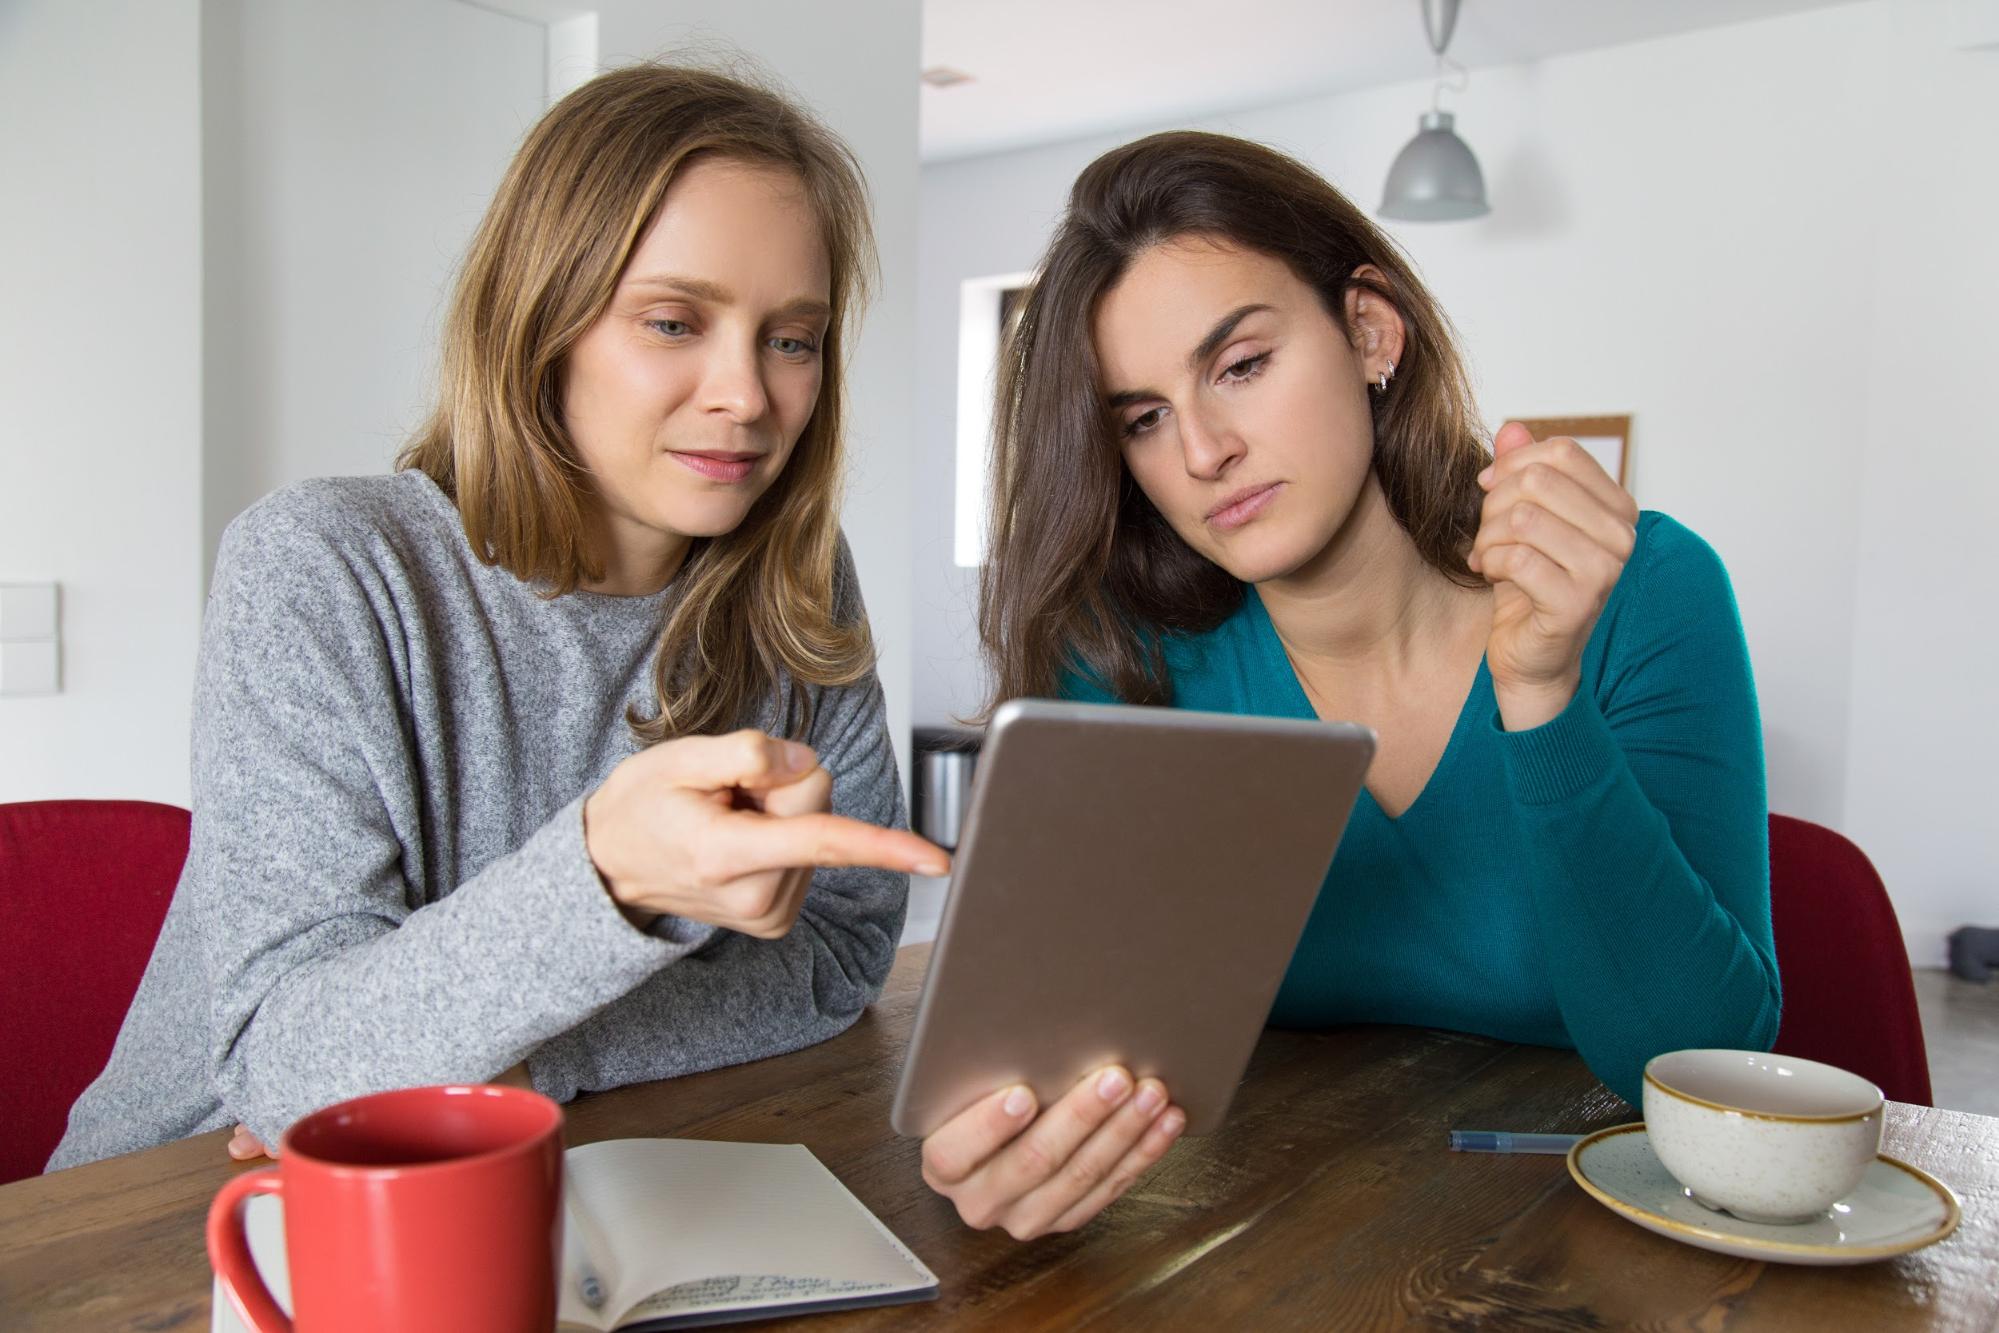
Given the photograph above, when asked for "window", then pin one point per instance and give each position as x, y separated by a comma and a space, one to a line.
985, 305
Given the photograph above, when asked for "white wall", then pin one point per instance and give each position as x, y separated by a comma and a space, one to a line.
351, 147
329, 160
856, 66
1923, 746
100, 384
1771, 244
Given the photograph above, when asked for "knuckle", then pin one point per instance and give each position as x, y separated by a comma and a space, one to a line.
1080, 1175
736, 901
1563, 449
750, 750
939, 1170
1021, 1231
1034, 1160
760, 903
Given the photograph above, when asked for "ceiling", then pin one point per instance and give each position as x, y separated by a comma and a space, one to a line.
1046, 70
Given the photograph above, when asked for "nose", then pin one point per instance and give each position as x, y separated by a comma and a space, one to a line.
1209, 447
734, 385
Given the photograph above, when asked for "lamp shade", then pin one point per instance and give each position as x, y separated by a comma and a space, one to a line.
1435, 177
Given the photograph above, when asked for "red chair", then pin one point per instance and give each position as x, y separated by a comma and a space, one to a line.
84, 886
1849, 999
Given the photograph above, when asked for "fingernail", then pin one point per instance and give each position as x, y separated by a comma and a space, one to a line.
1172, 1123
1112, 1085
1017, 1102
798, 758
1150, 1097
934, 869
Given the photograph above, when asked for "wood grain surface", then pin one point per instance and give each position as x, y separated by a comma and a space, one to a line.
1330, 1201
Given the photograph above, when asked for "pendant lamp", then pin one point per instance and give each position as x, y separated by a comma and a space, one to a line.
1435, 178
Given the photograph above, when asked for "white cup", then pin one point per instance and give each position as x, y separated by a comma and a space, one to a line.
1769, 1138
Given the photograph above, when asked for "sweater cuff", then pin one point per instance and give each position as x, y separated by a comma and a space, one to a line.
571, 925
1568, 754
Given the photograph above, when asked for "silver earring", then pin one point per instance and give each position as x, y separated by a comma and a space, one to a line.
1386, 375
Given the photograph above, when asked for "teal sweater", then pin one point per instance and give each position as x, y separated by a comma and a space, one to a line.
1601, 881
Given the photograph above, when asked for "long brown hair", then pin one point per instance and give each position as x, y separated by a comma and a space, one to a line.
1082, 574
757, 603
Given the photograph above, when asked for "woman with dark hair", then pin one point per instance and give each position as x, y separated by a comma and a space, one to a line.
558, 756
1238, 468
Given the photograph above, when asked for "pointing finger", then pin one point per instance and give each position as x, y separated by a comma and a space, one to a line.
764, 842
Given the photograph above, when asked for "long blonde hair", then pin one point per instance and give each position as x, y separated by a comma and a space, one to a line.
756, 604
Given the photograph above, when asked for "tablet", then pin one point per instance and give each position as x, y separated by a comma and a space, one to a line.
1129, 889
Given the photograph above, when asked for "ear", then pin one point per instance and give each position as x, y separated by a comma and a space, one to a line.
1374, 325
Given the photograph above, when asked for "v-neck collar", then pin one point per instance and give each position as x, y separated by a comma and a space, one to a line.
1292, 701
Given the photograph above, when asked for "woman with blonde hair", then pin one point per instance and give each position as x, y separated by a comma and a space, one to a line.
557, 755
1239, 469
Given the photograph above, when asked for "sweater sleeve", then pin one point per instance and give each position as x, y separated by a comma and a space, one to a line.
744, 998
1644, 811
330, 975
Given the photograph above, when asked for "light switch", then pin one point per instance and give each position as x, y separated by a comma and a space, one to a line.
28, 668
27, 611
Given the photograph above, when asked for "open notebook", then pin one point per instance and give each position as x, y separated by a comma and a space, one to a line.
681, 1232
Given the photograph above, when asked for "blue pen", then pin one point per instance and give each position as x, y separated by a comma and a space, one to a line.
1501, 1140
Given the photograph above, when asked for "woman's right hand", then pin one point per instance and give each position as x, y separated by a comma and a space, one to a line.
1004, 1166
727, 830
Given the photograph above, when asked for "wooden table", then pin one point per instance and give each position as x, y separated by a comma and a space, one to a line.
1329, 1202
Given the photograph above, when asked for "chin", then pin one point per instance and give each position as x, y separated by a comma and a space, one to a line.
1254, 556
715, 517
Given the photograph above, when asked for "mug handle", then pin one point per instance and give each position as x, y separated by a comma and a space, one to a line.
229, 1251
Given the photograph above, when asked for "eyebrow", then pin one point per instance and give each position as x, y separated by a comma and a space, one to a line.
1204, 349
701, 289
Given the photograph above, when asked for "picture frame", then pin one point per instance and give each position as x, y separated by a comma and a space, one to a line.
1607, 438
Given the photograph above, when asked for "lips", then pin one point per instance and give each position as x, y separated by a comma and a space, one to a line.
1239, 507
718, 465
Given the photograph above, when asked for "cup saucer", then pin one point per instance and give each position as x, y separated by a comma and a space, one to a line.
1895, 1209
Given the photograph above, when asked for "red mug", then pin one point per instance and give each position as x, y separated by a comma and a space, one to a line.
407, 1212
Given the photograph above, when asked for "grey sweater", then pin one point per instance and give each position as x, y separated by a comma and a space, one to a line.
387, 884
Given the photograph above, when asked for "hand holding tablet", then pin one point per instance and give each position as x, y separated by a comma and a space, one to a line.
1003, 1165
1130, 887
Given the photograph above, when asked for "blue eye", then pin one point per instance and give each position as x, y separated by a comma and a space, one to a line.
793, 347
669, 328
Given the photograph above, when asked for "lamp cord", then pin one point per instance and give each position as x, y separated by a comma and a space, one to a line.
1459, 80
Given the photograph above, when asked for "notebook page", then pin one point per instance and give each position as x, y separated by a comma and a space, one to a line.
700, 1225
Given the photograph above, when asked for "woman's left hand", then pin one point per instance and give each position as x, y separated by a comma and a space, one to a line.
1552, 540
